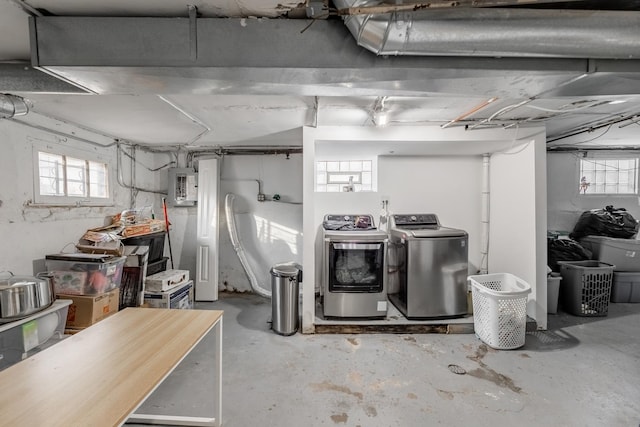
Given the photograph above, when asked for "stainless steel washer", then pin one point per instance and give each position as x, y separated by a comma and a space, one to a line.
431, 267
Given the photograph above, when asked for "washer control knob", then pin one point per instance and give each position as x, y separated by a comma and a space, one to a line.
413, 218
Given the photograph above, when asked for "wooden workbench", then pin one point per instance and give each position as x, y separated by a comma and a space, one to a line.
101, 375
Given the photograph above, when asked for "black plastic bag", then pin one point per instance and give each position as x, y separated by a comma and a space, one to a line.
564, 250
610, 222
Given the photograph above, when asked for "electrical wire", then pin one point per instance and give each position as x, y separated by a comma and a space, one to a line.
551, 110
142, 164
588, 140
120, 178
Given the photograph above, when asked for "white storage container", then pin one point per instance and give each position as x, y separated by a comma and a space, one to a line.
553, 293
500, 309
166, 280
22, 338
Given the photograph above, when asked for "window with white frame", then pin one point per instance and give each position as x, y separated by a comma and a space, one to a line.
71, 180
608, 176
333, 176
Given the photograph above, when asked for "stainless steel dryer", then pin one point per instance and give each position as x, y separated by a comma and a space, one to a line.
432, 264
354, 280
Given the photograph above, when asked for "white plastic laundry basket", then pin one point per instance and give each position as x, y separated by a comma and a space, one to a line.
500, 309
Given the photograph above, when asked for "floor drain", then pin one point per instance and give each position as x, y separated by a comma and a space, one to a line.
459, 370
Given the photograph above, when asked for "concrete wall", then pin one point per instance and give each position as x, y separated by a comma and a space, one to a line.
30, 232
565, 203
449, 186
270, 231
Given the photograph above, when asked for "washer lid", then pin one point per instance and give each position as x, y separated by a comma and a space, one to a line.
421, 233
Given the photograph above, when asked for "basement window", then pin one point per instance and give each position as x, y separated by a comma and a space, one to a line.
66, 180
608, 176
344, 175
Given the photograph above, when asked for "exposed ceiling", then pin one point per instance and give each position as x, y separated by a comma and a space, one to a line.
252, 73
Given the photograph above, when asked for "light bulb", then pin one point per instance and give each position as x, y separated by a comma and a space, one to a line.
380, 118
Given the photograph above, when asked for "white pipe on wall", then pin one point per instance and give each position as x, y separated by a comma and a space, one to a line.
237, 245
484, 218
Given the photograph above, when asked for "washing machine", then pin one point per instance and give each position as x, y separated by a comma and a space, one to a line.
431, 267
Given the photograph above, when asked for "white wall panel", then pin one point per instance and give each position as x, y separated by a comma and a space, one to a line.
518, 220
207, 230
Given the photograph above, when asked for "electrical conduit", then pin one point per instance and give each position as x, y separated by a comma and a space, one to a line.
237, 245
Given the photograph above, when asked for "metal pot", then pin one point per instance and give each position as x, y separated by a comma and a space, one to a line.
21, 296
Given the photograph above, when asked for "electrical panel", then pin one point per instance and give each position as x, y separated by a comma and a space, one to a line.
183, 187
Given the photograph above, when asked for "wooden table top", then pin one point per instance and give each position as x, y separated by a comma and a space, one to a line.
99, 376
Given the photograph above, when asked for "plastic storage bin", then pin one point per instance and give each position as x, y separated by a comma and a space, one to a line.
133, 274
553, 293
624, 254
84, 274
500, 309
626, 287
22, 338
586, 287
157, 266
155, 241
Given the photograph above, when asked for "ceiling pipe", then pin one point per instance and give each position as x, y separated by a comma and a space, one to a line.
496, 32
12, 106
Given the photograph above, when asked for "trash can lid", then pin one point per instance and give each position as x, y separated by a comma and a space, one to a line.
284, 270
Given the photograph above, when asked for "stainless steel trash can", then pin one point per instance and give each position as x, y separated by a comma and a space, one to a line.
284, 299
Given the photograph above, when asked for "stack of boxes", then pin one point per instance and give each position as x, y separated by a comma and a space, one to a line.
169, 289
90, 281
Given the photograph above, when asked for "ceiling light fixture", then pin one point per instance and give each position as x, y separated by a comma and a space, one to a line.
380, 118
12, 106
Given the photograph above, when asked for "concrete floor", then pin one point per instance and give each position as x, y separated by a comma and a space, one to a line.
581, 372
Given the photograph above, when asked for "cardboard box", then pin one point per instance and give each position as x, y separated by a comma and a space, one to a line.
147, 227
85, 310
179, 298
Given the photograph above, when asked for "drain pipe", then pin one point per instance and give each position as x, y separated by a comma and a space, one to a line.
237, 245
12, 106
484, 230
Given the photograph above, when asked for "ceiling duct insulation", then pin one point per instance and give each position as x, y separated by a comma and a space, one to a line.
12, 106
496, 32
116, 55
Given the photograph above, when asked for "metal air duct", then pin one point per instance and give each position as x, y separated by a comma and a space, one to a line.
496, 32
11, 106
